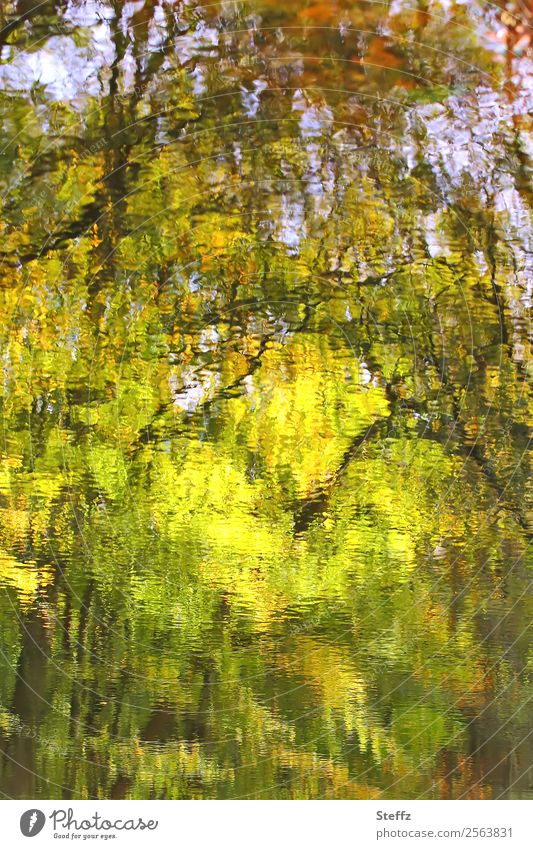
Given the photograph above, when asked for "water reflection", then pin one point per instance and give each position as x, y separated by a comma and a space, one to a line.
265, 490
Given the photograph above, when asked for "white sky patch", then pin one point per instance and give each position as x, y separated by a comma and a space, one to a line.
291, 228
435, 240
191, 389
251, 100
87, 14
366, 375
316, 119
192, 43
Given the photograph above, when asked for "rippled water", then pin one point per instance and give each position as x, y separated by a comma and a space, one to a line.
265, 466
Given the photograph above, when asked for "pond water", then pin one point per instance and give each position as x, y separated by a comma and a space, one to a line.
266, 277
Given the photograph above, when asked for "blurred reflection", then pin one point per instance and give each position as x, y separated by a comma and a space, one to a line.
265, 471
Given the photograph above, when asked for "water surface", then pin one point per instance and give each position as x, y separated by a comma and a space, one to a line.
265, 292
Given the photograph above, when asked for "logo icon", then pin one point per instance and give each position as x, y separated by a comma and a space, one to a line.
32, 822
